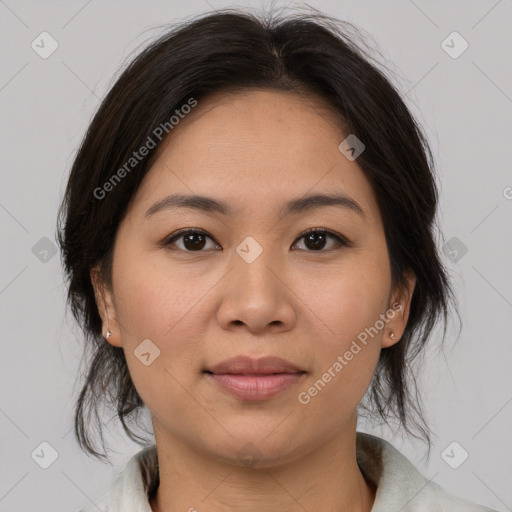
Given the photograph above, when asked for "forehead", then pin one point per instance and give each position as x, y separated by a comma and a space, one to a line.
256, 147
258, 122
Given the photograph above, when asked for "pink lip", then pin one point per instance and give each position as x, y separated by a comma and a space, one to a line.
255, 379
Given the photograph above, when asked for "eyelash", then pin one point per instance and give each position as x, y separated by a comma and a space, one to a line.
341, 240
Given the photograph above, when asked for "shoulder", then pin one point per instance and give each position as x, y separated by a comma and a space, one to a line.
129, 491
400, 486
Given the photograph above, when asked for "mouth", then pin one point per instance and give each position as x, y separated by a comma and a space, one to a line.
254, 379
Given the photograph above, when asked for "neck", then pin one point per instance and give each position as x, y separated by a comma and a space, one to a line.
328, 478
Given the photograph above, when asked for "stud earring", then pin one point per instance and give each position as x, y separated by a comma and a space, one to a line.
108, 334
392, 335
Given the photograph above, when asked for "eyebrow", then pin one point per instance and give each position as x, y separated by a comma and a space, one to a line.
293, 207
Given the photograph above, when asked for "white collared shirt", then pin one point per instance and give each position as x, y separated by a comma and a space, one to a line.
400, 486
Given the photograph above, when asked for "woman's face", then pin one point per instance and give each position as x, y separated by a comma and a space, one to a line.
251, 283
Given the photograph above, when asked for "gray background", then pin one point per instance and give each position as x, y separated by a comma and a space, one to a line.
465, 106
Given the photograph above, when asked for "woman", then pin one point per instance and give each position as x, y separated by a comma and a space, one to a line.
248, 236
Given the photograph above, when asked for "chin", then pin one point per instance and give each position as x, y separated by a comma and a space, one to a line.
256, 450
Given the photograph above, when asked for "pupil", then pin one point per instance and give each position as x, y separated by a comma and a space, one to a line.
189, 241
317, 240
314, 241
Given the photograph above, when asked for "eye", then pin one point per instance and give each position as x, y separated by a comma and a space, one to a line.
194, 240
315, 239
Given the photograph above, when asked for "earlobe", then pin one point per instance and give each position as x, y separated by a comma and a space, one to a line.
105, 308
399, 312
389, 338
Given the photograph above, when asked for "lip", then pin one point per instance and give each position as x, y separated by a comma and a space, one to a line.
249, 365
255, 379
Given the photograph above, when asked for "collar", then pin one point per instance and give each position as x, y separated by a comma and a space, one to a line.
400, 486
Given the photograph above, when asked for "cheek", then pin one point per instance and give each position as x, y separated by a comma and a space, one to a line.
353, 295
155, 305
350, 305
152, 299
160, 305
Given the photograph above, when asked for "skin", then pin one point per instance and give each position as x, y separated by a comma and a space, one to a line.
255, 150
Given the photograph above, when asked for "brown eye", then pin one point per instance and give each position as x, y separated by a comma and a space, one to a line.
316, 240
192, 240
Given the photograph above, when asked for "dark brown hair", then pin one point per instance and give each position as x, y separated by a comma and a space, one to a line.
230, 50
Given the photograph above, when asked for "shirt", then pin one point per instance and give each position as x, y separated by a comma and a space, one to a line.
400, 486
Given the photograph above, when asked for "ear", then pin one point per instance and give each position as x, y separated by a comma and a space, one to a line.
105, 303
398, 311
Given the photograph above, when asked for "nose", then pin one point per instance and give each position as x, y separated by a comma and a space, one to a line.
256, 295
